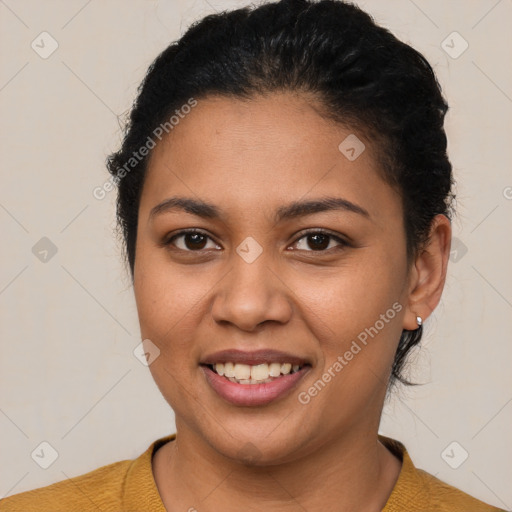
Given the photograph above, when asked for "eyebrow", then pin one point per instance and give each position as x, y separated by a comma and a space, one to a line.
289, 211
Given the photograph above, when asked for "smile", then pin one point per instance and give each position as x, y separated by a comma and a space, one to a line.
254, 374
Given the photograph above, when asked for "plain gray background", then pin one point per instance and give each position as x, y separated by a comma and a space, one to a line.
68, 321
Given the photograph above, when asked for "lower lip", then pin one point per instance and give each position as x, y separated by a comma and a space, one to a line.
248, 395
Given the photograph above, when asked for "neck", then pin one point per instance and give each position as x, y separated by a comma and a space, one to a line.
361, 476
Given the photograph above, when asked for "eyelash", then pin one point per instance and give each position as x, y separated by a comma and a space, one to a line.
301, 235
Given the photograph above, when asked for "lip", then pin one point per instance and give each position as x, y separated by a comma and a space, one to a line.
253, 357
251, 395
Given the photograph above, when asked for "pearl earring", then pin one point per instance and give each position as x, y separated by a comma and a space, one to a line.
419, 321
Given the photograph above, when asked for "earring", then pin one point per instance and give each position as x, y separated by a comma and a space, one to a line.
419, 321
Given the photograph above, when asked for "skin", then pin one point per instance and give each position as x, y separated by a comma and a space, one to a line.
249, 158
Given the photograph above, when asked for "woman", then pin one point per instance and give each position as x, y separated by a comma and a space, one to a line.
284, 197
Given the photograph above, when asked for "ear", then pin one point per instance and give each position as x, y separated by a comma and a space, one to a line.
428, 273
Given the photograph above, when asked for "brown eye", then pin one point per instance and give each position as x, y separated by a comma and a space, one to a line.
319, 241
191, 241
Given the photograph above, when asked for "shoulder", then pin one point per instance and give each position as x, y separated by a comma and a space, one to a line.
99, 489
419, 491
446, 498
122, 485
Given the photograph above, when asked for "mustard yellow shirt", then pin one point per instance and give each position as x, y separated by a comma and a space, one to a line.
129, 486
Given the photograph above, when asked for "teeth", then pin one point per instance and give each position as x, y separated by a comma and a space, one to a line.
286, 368
274, 369
242, 371
229, 369
257, 374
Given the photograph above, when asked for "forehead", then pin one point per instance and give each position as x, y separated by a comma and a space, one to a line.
263, 130
266, 150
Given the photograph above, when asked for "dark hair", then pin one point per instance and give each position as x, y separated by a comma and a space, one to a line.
360, 74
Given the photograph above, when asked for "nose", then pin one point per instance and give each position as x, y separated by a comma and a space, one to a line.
251, 294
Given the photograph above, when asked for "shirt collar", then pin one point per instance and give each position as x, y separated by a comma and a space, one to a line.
140, 491
409, 479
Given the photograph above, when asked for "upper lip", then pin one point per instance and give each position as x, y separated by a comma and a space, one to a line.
253, 357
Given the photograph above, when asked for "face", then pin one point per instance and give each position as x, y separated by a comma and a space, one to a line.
324, 287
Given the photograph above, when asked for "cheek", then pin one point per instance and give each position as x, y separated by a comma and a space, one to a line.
171, 306
345, 302
161, 296
167, 304
355, 315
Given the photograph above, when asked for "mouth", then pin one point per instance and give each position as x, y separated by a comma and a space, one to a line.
253, 378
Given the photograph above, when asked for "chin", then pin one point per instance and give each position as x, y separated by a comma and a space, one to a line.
253, 447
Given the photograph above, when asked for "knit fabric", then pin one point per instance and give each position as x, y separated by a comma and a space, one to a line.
129, 486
